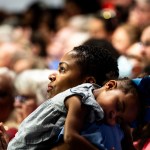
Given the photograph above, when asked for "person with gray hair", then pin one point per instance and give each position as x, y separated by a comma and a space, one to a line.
31, 91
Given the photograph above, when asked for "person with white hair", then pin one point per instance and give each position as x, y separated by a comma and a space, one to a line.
31, 91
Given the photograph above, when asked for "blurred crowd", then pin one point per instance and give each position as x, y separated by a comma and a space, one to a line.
32, 43
39, 36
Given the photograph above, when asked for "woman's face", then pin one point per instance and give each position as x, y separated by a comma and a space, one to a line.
68, 75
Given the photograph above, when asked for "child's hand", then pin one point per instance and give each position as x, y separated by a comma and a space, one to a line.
112, 148
4, 139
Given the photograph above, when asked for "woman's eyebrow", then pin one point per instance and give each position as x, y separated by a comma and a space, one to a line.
61, 63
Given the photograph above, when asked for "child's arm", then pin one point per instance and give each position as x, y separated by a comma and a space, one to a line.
74, 123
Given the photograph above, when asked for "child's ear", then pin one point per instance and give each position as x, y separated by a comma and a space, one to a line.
90, 79
112, 84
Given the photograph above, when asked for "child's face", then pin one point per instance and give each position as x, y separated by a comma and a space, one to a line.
68, 75
117, 105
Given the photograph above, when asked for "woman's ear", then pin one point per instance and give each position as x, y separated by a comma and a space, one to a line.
112, 84
90, 79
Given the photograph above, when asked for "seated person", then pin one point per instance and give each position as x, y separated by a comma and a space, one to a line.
116, 99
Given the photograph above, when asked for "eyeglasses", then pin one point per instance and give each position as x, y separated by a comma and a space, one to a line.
23, 98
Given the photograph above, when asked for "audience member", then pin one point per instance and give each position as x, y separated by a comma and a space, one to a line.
65, 109
124, 36
132, 64
7, 93
139, 14
24, 60
61, 30
100, 134
145, 42
108, 70
98, 27
7, 49
31, 91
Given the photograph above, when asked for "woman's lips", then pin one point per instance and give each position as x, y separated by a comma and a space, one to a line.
49, 88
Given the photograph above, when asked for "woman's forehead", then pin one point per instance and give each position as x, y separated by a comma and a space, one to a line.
68, 57
70, 53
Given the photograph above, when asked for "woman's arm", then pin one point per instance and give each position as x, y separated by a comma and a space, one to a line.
75, 120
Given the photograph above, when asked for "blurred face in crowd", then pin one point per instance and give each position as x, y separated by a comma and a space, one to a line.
97, 28
140, 14
6, 98
24, 105
145, 41
120, 40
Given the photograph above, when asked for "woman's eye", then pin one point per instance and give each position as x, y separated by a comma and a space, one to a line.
61, 69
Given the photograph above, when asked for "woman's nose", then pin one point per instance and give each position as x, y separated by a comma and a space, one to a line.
52, 77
